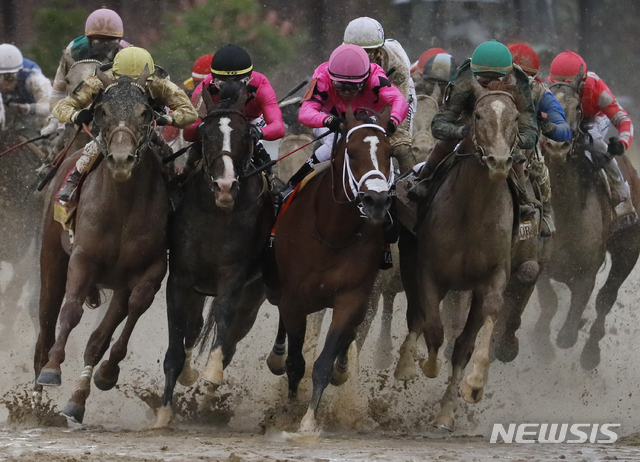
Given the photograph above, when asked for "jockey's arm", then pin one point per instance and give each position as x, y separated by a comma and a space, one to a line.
311, 113
183, 113
391, 95
445, 124
40, 87
555, 114
609, 105
81, 98
268, 101
528, 120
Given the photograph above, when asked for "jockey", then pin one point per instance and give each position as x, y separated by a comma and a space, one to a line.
551, 123
439, 70
490, 61
161, 92
25, 90
600, 109
417, 68
347, 79
389, 54
233, 63
102, 40
200, 71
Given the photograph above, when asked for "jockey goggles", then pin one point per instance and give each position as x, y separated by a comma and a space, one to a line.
9, 77
218, 82
375, 54
348, 87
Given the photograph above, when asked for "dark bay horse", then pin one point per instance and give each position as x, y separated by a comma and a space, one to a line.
120, 243
216, 240
583, 221
463, 243
328, 246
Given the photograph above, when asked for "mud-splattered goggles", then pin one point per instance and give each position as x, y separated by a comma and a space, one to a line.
218, 82
348, 87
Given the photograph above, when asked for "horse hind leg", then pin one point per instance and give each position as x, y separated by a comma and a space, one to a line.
433, 328
548, 301
96, 347
277, 356
581, 289
623, 259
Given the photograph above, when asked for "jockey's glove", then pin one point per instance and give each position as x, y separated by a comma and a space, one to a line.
616, 147
163, 119
51, 128
463, 131
82, 117
546, 127
335, 123
23, 108
255, 133
392, 126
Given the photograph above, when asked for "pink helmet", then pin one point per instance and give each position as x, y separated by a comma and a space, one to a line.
104, 22
349, 63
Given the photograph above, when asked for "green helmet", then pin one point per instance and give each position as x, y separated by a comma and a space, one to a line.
492, 56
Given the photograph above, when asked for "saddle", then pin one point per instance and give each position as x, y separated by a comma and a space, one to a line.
411, 214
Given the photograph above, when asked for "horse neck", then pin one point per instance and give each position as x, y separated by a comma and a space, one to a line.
572, 182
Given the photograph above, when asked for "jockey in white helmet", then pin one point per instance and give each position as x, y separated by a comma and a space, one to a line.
389, 54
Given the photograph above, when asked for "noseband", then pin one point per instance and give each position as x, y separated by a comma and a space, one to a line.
348, 179
479, 150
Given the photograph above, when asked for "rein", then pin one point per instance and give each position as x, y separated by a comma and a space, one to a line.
479, 149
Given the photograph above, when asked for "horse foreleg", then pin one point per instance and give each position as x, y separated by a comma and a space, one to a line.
374, 299
79, 282
624, 256
295, 325
581, 289
96, 347
184, 316
276, 358
548, 301
312, 335
431, 295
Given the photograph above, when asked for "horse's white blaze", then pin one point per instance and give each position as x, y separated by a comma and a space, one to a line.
376, 184
229, 173
498, 106
226, 131
373, 149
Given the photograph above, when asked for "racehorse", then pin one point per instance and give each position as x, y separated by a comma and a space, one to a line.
328, 247
119, 243
216, 240
463, 242
423, 141
583, 221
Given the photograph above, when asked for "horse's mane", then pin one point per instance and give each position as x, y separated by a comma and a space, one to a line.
510, 88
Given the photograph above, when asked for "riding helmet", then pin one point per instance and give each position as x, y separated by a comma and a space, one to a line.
493, 57
231, 61
365, 32
349, 63
566, 65
104, 23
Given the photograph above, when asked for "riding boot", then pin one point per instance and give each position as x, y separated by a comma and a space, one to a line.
68, 191
527, 204
297, 177
625, 212
421, 186
548, 226
261, 157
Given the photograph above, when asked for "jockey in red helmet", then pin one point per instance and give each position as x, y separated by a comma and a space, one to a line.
601, 109
201, 70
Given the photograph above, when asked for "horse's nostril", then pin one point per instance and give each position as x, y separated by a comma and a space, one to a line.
566, 145
491, 161
367, 201
131, 159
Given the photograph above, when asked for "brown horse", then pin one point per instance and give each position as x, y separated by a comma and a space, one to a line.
120, 244
216, 240
328, 256
463, 243
583, 221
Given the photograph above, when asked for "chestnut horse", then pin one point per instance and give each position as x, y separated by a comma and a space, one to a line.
120, 243
463, 242
328, 246
583, 221
216, 240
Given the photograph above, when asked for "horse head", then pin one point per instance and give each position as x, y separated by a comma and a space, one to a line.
367, 172
568, 95
226, 144
125, 120
495, 127
423, 141
80, 70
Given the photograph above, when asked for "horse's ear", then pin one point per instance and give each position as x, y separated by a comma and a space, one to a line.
578, 79
477, 88
351, 118
209, 105
243, 94
106, 81
385, 115
142, 78
436, 93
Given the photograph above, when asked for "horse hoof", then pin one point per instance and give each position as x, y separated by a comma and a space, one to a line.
276, 363
469, 394
102, 380
444, 421
308, 424
213, 370
163, 417
406, 369
590, 356
338, 378
507, 349
188, 377
430, 370
73, 412
49, 378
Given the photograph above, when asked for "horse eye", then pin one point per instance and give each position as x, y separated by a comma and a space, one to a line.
477, 116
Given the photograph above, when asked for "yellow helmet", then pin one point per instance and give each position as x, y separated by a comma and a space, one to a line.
131, 61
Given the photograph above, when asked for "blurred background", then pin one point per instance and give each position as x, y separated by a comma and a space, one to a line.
289, 38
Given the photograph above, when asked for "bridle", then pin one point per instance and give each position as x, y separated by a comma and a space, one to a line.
352, 186
146, 129
208, 162
478, 149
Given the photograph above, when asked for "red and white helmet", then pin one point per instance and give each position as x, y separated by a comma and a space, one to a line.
104, 22
202, 68
349, 63
566, 65
526, 58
